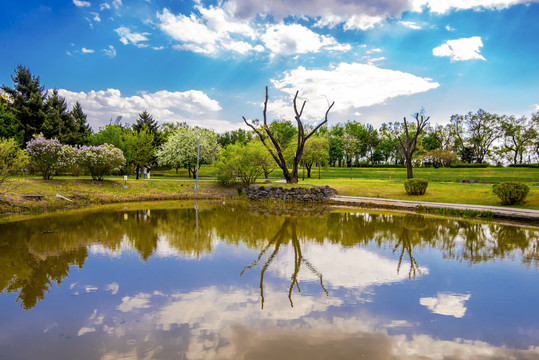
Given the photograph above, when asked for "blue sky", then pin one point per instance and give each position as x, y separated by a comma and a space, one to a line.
207, 62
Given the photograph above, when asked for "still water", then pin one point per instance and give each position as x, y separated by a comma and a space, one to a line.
240, 281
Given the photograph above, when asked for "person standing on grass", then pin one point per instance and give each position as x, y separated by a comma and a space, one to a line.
148, 173
144, 173
137, 171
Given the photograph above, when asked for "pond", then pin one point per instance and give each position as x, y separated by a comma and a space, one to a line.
208, 280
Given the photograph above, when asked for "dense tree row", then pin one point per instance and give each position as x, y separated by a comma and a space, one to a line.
27, 110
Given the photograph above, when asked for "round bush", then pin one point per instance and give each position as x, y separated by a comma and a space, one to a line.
511, 192
416, 186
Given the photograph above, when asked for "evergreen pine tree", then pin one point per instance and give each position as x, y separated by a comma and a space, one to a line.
27, 101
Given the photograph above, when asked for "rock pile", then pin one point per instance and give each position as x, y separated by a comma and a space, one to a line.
321, 193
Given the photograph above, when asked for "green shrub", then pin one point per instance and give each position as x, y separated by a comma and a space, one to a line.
511, 192
525, 165
416, 186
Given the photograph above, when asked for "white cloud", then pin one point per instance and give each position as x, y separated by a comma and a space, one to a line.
79, 3
87, 51
362, 22
97, 18
113, 288
449, 28
443, 6
410, 25
356, 268
350, 85
213, 30
446, 304
536, 106
103, 105
85, 330
104, 6
129, 37
374, 51
139, 301
110, 52
295, 39
461, 49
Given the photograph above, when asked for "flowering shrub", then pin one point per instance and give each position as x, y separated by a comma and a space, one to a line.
100, 160
49, 156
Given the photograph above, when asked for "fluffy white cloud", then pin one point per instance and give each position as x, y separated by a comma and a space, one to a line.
87, 51
443, 6
129, 37
295, 39
193, 107
356, 268
446, 304
461, 49
79, 3
213, 30
350, 85
139, 301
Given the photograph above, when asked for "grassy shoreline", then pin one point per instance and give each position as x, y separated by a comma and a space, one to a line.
457, 186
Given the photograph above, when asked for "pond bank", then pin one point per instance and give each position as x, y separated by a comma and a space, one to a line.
37, 195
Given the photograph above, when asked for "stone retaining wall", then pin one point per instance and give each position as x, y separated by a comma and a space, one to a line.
321, 193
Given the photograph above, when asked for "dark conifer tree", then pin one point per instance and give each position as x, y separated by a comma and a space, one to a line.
27, 101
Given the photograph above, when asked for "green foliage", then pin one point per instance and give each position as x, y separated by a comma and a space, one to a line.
58, 121
10, 125
146, 121
511, 192
27, 101
12, 160
113, 135
82, 129
180, 149
240, 165
416, 186
140, 146
235, 136
284, 132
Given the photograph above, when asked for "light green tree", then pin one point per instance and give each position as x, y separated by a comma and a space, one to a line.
12, 160
180, 149
240, 165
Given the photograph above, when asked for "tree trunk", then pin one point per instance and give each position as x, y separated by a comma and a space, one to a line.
309, 171
409, 169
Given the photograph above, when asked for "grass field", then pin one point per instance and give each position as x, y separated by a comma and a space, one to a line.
488, 175
444, 186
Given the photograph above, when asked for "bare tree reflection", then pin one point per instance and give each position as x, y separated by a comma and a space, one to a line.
405, 242
288, 231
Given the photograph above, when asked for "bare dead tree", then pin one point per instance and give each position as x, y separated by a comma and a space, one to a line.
303, 136
409, 143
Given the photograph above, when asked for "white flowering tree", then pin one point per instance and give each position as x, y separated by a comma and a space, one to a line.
49, 156
100, 160
180, 150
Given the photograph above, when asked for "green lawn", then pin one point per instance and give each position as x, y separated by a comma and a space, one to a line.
488, 175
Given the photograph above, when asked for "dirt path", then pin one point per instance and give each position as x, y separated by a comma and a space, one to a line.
497, 211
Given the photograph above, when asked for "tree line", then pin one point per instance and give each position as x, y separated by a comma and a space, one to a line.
27, 110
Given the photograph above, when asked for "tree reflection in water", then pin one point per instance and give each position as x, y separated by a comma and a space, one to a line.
288, 231
37, 253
